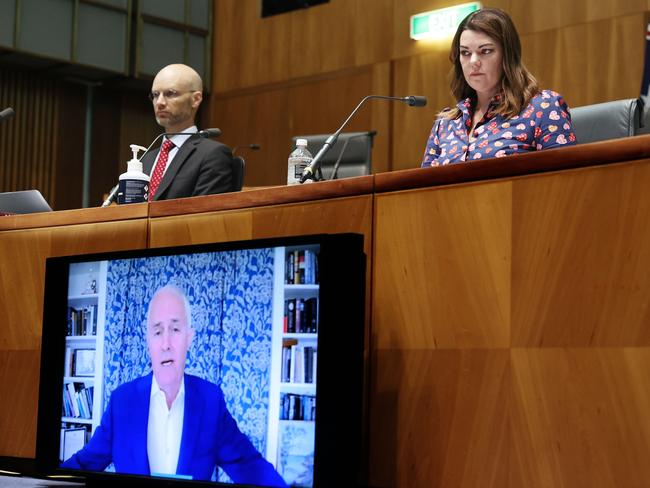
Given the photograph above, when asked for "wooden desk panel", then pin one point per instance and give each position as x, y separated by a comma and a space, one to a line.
442, 268
21, 302
275, 195
579, 417
581, 257
439, 418
19, 374
75, 217
502, 307
351, 214
512, 267
200, 228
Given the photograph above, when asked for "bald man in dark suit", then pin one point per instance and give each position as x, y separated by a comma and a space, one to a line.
187, 165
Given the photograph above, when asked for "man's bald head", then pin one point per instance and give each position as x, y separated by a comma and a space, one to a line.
185, 76
177, 92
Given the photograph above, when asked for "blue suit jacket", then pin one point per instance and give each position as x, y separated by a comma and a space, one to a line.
210, 437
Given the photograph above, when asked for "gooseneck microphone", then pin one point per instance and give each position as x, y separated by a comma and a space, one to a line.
309, 172
252, 146
205, 133
7, 114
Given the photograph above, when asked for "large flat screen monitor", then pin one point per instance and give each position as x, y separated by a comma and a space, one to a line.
236, 363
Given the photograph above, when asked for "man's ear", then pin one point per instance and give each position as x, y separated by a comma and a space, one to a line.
197, 98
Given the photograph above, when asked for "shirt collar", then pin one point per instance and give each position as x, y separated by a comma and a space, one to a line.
180, 139
466, 105
155, 389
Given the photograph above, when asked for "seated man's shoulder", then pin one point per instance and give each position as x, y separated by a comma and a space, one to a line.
207, 388
212, 145
137, 386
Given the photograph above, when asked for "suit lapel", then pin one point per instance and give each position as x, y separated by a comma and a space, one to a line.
191, 422
140, 423
183, 153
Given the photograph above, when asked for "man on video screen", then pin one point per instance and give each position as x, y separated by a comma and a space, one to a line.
169, 423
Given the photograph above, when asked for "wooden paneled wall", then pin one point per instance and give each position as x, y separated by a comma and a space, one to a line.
590, 51
27, 146
42, 147
302, 73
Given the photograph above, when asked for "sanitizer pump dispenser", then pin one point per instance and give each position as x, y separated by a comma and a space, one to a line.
134, 184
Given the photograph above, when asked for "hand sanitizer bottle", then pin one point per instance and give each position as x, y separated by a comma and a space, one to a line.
134, 184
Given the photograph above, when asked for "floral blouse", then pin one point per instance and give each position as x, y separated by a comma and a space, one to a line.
544, 123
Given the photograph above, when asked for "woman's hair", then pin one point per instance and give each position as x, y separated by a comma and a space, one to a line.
518, 85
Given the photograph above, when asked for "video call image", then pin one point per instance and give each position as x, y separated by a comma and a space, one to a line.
183, 366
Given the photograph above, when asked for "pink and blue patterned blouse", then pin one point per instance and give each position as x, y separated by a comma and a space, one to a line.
544, 123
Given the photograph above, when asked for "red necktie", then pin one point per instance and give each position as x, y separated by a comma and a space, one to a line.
157, 175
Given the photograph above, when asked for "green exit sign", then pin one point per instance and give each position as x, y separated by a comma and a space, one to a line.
440, 23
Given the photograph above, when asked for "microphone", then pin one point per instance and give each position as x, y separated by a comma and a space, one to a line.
253, 146
416, 101
7, 114
310, 171
206, 133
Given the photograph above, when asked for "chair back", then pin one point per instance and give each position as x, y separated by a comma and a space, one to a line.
608, 120
238, 172
353, 150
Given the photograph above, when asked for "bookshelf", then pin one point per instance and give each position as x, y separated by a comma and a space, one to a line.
292, 396
83, 366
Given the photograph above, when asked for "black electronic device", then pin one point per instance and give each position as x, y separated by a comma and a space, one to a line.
275, 7
278, 325
23, 202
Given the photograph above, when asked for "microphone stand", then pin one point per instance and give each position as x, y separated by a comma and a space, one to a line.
310, 172
253, 147
335, 170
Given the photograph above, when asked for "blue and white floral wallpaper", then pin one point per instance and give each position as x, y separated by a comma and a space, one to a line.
231, 296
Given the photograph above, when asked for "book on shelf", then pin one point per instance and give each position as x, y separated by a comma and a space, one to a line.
82, 321
286, 359
301, 315
298, 363
77, 401
297, 407
301, 267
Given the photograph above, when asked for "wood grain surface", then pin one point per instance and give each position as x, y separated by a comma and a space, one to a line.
442, 266
507, 313
21, 301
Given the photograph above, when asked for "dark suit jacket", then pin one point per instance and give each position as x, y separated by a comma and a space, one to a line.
200, 167
210, 437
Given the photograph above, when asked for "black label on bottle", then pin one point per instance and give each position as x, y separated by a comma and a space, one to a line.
133, 191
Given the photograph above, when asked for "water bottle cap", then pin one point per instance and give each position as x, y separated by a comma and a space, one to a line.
301, 142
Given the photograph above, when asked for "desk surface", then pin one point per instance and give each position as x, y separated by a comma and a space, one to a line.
20, 482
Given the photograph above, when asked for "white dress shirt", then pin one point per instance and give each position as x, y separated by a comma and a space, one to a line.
164, 430
178, 141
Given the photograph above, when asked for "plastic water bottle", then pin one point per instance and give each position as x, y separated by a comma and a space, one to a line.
299, 159
134, 184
